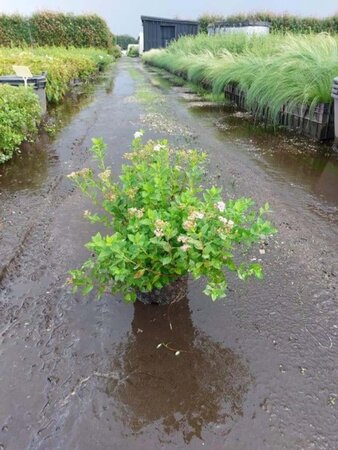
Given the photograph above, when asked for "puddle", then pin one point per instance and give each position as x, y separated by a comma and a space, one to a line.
29, 168
301, 162
154, 386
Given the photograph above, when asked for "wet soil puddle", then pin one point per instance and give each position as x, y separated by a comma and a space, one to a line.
153, 385
311, 165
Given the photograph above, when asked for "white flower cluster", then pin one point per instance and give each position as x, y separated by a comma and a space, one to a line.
220, 206
104, 176
134, 212
111, 196
80, 173
227, 224
190, 223
196, 215
184, 240
138, 134
131, 192
159, 227
129, 156
159, 147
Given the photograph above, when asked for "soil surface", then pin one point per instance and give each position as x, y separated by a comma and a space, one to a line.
256, 370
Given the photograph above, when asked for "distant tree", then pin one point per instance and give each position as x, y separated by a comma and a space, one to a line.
123, 40
206, 19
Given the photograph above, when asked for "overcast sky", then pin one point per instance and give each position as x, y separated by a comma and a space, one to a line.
124, 16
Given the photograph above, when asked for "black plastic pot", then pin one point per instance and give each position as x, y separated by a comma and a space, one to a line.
316, 123
170, 293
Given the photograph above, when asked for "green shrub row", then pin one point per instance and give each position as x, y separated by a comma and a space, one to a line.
272, 70
19, 118
62, 65
133, 52
284, 23
55, 29
19, 107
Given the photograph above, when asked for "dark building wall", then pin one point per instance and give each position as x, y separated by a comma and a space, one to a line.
159, 32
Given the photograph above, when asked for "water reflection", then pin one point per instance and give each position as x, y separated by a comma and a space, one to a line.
109, 83
320, 173
303, 161
203, 386
29, 167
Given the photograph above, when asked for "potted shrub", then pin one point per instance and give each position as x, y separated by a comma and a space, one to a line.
163, 225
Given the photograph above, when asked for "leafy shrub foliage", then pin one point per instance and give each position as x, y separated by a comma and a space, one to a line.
133, 51
62, 65
55, 29
19, 118
163, 225
115, 52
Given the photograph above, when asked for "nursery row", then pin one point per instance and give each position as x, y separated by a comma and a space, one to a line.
279, 23
62, 65
272, 71
19, 107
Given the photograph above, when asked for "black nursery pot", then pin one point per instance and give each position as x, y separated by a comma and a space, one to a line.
170, 293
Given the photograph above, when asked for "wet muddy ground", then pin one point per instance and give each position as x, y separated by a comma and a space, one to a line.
257, 370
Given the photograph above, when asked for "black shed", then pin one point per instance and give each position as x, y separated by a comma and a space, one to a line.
158, 32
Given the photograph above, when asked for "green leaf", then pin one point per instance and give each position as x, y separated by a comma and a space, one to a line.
166, 260
87, 289
130, 297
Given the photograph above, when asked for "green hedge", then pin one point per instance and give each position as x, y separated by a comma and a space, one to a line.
62, 65
19, 118
279, 23
55, 29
